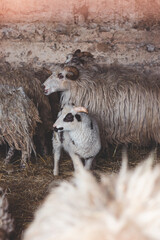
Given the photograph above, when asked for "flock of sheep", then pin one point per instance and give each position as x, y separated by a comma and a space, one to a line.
100, 105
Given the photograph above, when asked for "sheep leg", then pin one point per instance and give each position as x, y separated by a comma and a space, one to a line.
57, 155
24, 159
77, 163
9, 155
88, 163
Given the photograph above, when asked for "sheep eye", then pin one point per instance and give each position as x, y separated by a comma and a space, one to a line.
78, 117
68, 118
60, 76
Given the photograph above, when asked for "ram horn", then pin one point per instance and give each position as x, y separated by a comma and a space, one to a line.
81, 109
72, 72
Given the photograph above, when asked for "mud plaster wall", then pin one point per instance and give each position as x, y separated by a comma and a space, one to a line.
43, 32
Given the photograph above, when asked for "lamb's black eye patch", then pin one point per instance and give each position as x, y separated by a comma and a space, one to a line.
78, 117
60, 75
68, 118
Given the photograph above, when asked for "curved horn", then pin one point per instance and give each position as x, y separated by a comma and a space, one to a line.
81, 109
72, 72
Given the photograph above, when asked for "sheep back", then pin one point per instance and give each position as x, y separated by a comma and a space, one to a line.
18, 118
125, 102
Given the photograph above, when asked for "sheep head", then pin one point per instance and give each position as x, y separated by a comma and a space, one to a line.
80, 54
78, 57
61, 79
70, 118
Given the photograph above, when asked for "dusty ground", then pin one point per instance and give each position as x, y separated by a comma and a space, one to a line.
26, 189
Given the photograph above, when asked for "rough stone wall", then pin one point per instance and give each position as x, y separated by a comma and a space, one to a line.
42, 32
72, 10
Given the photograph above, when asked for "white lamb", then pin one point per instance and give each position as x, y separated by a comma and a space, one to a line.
78, 134
123, 206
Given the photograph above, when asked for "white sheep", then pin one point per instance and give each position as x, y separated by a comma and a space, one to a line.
123, 206
78, 134
126, 102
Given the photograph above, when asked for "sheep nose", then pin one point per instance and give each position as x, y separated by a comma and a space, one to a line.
45, 91
57, 129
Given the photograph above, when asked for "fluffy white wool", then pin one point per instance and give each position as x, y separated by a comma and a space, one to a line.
81, 138
122, 206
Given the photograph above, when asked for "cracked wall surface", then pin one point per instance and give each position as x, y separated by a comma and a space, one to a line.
43, 32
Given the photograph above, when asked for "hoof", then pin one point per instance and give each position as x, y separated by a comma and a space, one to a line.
55, 173
22, 165
6, 162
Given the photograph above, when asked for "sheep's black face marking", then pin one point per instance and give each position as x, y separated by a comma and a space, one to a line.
91, 125
78, 117
60, 75
68, 118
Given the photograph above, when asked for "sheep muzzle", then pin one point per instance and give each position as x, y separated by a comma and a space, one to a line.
57, 129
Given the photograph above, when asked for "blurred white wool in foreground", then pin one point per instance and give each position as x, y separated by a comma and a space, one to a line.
123, 206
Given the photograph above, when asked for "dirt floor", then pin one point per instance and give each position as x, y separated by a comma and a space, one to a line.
27, 189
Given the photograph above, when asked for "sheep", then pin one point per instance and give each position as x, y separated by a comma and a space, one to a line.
121, 206
26, 78
18, 121
42, 74
126, 102
79, 57
6, 221
78, 134
85, 60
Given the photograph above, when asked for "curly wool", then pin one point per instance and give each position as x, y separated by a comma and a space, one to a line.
18, 119
25, 77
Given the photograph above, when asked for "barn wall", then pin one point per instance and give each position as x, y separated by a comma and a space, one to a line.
89, 10
42, 32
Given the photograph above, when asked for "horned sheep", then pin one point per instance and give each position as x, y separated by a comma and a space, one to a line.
126, 102
26, 78
18, 121
121, 206
77, 132
85, 60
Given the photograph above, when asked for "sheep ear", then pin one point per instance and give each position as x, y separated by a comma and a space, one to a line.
81, 109
72, 73
46, 70
77, 52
